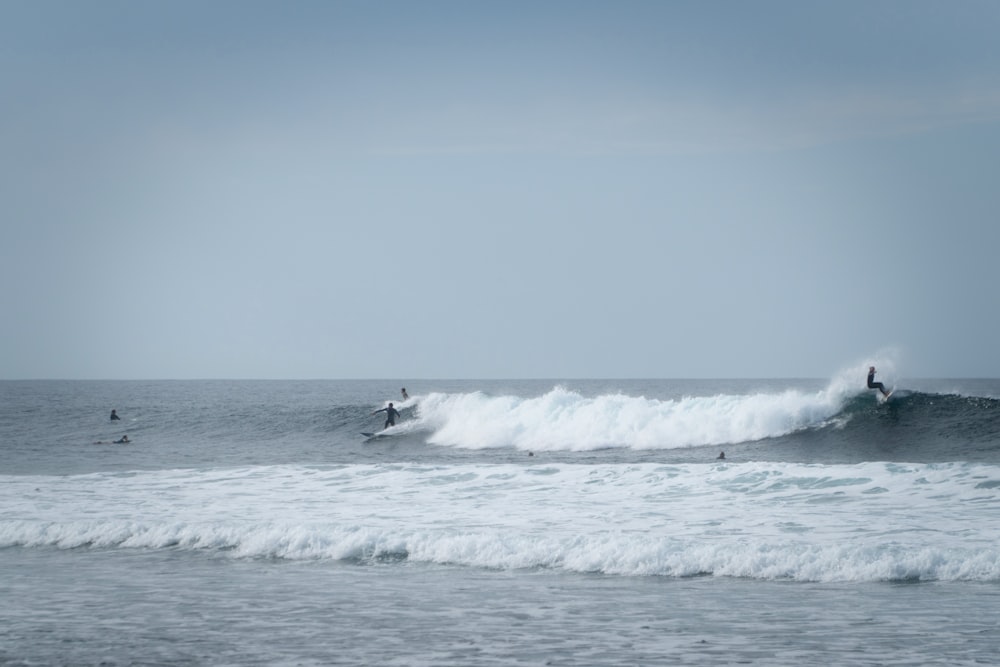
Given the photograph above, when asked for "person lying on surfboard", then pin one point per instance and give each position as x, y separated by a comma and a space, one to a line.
390, 415
872, 384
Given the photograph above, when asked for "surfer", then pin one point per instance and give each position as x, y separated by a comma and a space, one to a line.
120, 441
114, 416
872, 384
390, 415
405, 395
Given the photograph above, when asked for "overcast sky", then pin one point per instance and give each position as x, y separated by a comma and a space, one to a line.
498, 189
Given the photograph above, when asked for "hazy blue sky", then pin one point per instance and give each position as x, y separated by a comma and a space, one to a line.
410, 190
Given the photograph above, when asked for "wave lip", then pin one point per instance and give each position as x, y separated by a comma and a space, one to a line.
565, 420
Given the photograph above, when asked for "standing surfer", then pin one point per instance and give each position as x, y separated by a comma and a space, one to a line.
390, 415
872, 384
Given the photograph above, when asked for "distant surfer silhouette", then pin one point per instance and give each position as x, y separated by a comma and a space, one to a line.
114, 416
390, 415
872, 384
405, 395
120, 441
721, 455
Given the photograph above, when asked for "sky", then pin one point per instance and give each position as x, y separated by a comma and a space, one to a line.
405, 190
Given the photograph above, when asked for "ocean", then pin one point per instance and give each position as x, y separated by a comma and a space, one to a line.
500, 522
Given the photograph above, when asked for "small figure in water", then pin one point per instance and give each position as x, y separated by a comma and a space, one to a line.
390, 415
405, 395
114, 416
120, 441
872, 384
721, 455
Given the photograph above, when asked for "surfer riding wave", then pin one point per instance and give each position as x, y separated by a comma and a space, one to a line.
872, 384
391, 414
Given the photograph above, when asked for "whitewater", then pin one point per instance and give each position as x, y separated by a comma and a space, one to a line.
867, 522
535, 522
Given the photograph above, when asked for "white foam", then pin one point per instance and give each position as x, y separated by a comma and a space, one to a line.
866, 522
565, 420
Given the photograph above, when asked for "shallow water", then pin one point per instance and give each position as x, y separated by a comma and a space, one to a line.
172, 607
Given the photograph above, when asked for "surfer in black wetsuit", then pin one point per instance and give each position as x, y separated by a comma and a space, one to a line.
390, 415
114, 416
120, 441
872, 384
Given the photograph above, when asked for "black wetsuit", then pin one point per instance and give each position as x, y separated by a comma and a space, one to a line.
390, 416
114, 416
872, 384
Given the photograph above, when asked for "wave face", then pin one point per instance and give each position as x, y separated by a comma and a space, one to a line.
566, 420
563, 419
777, 521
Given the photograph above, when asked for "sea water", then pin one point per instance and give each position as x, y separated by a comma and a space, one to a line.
500, 522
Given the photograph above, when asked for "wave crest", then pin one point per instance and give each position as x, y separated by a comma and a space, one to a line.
565, 420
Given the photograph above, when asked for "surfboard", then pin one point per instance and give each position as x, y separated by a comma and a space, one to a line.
384, 433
